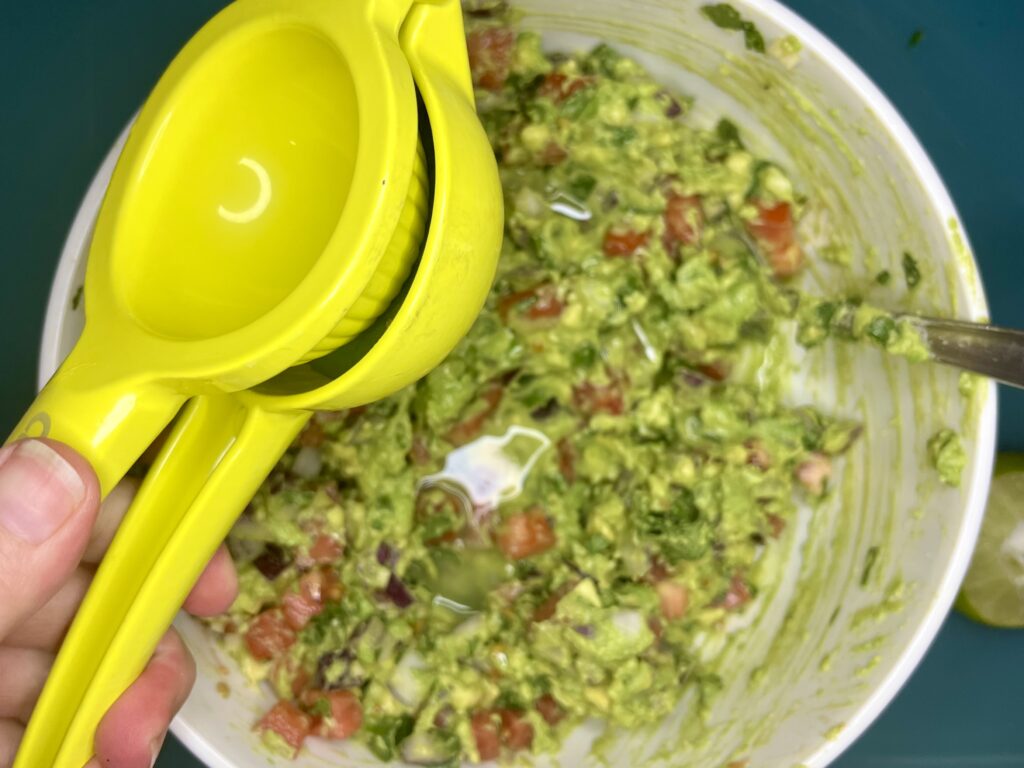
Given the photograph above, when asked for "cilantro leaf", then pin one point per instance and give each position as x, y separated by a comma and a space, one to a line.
910, 270
679, 533
727, 131
724, 16
384, 734
880, 329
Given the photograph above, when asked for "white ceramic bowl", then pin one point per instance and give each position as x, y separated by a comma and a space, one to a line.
816, 665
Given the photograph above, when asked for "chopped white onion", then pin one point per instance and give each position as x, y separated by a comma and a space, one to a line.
405, 683
628, 623
308, 462
425, 749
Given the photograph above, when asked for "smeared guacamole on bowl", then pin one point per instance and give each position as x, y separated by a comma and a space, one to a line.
539, 531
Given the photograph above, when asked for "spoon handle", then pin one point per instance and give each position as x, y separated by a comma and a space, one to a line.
986, 349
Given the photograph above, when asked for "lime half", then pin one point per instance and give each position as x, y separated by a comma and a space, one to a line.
993, 592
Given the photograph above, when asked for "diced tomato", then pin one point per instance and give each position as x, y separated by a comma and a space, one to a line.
674, 599
300, 679
507, 303
658, 571
684, 219
516, 731
567, 460
777, 524
553, 154
757, 456
448, 537
442, 718
559, 87
468, 429
545, 303
775, 233
486, 734
269, 635
547, 609
418, 452
289, 722
312, 436
299, 609
494, 728
738, 594
322, 584
490, 56
593, 398
814, 473
550, 710
528, 533
326, 549
718, 370
623, 242
315, 588
313, 585
346, 715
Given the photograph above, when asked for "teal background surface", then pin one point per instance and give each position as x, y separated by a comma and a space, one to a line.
72, 72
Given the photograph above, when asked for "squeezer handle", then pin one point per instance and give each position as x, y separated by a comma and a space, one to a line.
210, 467
109, 418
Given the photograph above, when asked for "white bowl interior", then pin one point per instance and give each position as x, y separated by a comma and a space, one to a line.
831, 643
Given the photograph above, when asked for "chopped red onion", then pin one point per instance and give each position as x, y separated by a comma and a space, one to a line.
398, 593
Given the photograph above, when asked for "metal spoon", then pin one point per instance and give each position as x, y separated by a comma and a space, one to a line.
986, 349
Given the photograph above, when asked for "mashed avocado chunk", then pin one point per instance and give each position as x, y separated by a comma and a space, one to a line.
947, 455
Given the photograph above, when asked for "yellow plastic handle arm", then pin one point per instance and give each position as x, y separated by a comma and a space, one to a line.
389, 13
434, 38
212, 464
107, 417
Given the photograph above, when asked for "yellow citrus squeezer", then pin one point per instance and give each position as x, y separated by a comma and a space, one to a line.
224, 444
263, 182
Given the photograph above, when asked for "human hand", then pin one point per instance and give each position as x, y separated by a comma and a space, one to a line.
53, 533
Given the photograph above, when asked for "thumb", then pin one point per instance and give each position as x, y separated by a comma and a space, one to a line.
49, 496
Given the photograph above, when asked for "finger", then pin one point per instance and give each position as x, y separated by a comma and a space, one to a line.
216, 587
46, 627
49, 497
132, 731
213, 593
11, 732
111, 513
23, 671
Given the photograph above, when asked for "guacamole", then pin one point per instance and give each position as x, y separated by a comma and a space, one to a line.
538, 532
946, 453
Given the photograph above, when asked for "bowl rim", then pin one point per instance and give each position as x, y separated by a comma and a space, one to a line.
938, 196
905, 141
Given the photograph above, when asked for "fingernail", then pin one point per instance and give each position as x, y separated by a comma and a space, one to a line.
39, 490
